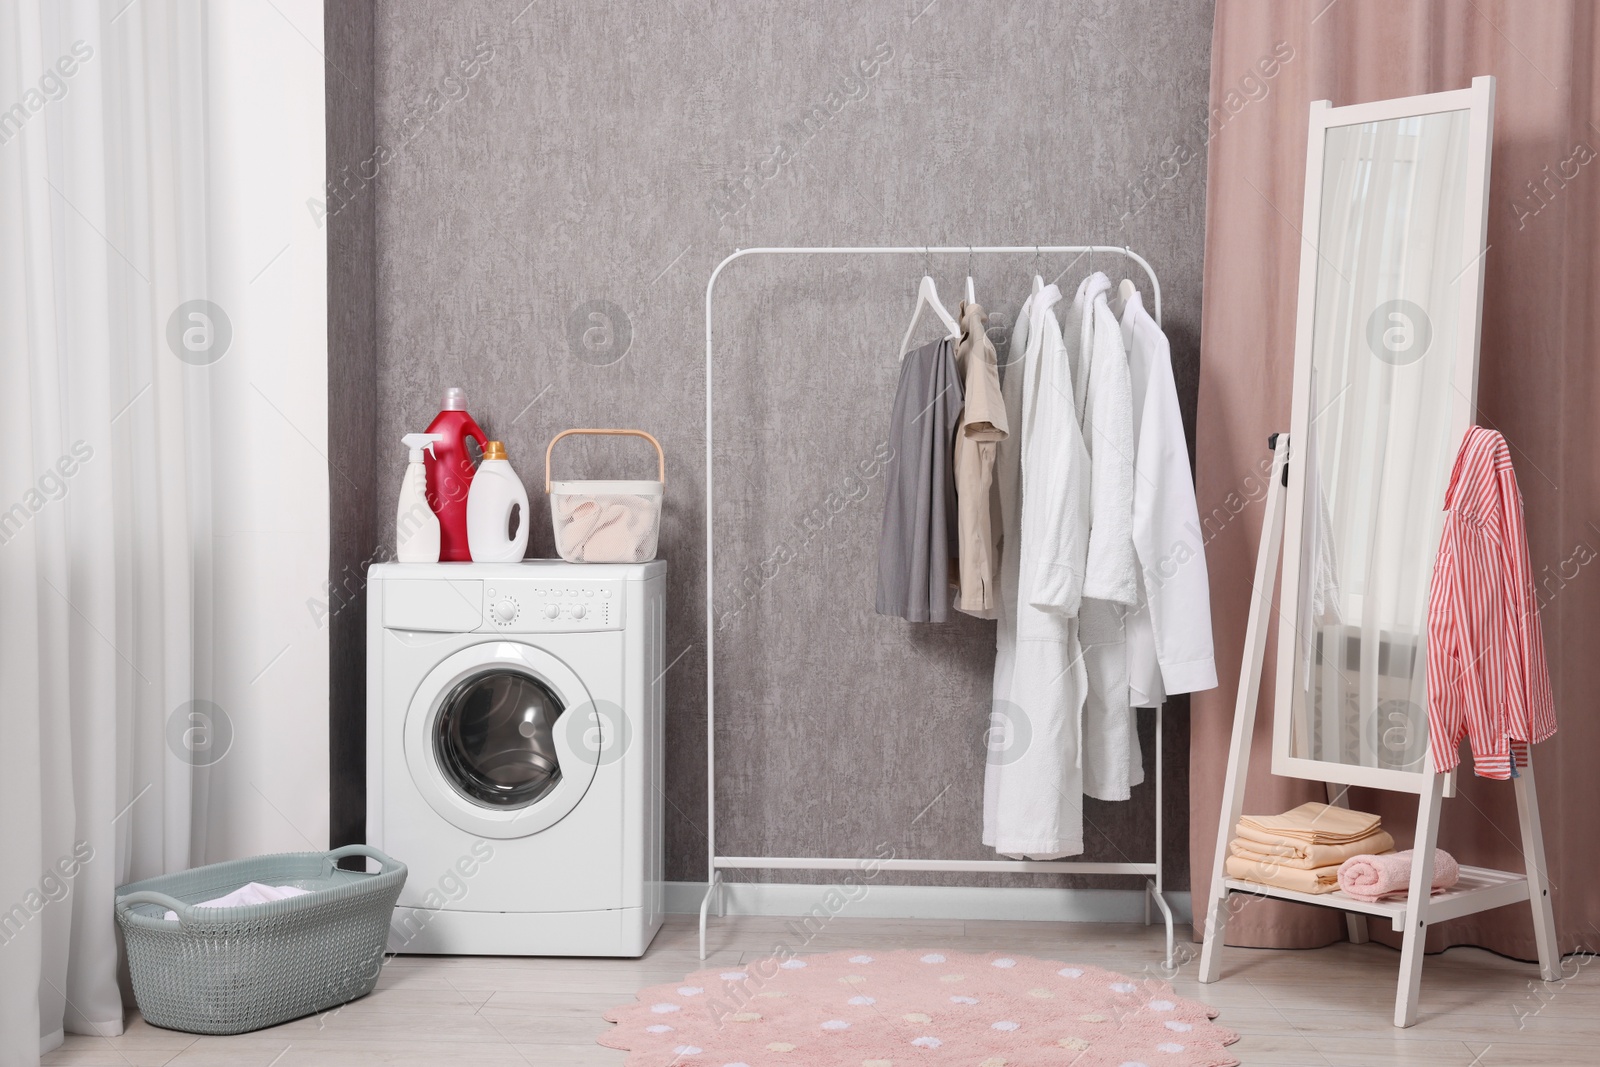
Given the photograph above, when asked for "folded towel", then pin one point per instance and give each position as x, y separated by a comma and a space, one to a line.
1308, 856
1245, 832
250, 893
1370, 877
1316, 880
1313, 823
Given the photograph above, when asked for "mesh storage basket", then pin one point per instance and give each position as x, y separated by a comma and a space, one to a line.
228, 970
606, 521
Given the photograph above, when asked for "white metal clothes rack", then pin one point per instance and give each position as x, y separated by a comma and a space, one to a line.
717, 863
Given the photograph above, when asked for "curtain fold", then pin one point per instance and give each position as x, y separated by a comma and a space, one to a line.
102, 232
1538, 384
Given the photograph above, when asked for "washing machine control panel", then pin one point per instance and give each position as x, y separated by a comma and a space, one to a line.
527, 606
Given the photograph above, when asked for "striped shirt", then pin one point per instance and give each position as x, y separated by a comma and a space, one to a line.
1487, 677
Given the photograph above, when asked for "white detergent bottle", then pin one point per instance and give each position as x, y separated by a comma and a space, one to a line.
416, 527
497, 510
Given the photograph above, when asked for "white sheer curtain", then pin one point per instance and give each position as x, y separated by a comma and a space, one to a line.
104, 510
163, 470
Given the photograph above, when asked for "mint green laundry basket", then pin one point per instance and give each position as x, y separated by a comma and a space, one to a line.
228, 970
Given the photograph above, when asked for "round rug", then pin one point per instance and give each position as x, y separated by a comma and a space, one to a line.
898, 1009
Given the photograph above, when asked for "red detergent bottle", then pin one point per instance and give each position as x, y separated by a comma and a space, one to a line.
450, 473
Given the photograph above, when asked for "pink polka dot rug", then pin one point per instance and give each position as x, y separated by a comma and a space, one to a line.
924, 1008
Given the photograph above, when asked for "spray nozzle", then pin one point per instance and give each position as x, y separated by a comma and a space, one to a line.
418, 441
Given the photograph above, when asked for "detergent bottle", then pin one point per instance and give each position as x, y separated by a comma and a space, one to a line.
450, 474
497, 510
416, 527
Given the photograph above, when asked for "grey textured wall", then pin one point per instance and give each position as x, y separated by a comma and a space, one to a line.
557, 182
355, 491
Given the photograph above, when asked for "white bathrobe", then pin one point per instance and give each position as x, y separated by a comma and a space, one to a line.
1111, 571
1110, 754
1169, 633
1032, 797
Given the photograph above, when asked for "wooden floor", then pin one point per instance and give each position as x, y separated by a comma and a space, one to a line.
1331, 1006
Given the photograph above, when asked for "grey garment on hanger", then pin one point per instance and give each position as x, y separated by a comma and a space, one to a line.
918, 542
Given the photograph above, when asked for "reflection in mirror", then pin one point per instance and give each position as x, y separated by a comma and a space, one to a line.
1379, 450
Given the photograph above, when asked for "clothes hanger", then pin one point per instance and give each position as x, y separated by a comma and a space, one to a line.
1127, 291
971, 295
928, 296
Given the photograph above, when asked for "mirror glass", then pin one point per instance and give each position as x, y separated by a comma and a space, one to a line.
1377, 459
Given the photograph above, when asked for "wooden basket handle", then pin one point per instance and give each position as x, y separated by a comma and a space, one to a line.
661, 457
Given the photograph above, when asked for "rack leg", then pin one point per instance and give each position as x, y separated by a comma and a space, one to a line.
1355, 924
1153, 893
1156, 886
1421, 890
1544, 920
705, 904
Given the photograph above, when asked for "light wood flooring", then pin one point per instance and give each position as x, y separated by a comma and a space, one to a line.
1328, 1007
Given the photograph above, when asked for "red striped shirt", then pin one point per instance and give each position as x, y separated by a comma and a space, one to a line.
1487, 677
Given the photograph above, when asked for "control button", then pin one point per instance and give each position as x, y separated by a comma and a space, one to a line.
506, 610
552, 611
491, 592
579, 611
588, 592
605, 592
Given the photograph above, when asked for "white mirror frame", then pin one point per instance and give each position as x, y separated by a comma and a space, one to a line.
1478, 101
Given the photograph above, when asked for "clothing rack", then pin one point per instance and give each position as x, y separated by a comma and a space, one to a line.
717, 863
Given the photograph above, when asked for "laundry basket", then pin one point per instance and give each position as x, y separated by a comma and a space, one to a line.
228, 970
606, 521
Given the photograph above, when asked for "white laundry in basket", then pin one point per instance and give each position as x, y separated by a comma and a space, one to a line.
250, 893
609, 522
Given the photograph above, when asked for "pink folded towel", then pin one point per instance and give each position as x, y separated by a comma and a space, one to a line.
1370, 877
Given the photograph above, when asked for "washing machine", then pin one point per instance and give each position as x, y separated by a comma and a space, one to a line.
514, 754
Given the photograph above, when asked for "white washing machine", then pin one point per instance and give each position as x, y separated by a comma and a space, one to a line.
514, 753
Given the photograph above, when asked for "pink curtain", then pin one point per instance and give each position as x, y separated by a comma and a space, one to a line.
1538, 384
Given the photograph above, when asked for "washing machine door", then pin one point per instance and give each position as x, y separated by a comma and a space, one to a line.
501, 739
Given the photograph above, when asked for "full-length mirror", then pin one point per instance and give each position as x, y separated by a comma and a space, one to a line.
1386, 367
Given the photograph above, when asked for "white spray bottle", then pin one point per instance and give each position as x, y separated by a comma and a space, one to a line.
416, 529
497, 510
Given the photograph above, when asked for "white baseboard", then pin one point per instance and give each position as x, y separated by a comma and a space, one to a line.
933, 902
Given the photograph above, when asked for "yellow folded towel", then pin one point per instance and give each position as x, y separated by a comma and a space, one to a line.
1315, 880
1313, 823
1307, 857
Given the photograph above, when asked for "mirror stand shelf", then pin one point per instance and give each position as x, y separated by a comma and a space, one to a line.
1480, 888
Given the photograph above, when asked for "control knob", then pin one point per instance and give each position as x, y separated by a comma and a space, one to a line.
505, 610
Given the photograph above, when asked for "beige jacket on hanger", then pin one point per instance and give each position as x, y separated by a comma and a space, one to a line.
983, 426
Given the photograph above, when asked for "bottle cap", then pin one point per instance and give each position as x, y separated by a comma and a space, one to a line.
455, 399
494, 450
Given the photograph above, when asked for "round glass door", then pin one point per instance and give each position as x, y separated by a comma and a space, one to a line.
495, 739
